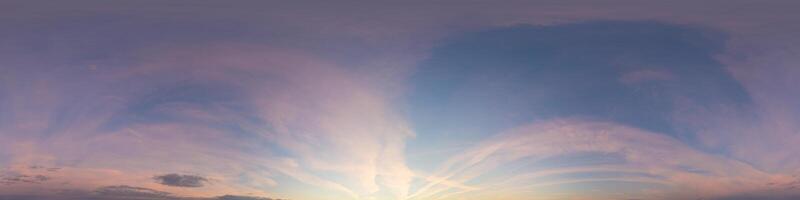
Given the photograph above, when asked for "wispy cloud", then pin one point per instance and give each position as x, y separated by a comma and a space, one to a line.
670, 166
181, 104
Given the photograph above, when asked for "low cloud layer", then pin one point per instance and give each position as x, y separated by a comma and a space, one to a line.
129, 192
123, 192
15, 178
180, 180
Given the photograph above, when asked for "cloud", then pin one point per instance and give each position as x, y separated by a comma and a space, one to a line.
665, 167
272, 112
766, 140
653, 77
49, 169
124, 191
9, 178
180, 180
234, 197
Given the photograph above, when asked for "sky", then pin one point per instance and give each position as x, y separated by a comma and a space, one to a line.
399, 100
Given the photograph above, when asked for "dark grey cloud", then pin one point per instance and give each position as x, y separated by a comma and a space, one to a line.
181, 180
795, 184
39, 167
234, 197
15, 178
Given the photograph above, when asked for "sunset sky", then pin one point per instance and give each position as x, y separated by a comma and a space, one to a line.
399, 100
